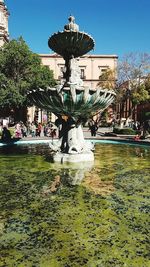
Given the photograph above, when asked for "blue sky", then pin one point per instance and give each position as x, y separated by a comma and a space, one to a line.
118, 26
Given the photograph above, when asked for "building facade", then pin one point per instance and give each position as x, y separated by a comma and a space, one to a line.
4, 14
91, 66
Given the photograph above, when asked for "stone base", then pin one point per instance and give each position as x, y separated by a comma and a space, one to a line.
83, 157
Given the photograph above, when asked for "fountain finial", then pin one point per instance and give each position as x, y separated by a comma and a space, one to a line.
71, 26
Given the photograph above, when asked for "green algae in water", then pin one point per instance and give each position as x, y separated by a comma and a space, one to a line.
76, 225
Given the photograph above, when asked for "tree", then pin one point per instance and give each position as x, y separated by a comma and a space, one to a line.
133, 79
107, 80
20, 71
133, 71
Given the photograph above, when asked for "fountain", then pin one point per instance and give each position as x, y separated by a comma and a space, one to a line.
71, 101
73, 214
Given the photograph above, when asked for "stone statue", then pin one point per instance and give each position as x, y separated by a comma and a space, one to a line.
74, 73
71, 26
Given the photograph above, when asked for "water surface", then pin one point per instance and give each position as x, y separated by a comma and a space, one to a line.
75, 215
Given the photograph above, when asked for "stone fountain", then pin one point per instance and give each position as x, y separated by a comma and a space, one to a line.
71, 101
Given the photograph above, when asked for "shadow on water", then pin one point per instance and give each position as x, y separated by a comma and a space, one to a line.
32, 149
55, 215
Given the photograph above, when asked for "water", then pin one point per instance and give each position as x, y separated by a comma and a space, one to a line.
75, 215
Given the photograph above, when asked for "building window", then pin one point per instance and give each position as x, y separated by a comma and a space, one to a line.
82, 74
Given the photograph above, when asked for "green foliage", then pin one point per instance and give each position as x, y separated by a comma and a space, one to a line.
127, 131
21, 71
107, 80
140, 94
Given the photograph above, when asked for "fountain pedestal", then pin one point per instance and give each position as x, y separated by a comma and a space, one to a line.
72, 147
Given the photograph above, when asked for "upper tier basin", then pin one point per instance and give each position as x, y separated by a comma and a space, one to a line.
71, 43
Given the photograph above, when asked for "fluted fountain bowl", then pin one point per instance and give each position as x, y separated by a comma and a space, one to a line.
71, 43
77, 104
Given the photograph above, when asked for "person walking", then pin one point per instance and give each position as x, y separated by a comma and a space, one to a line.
6, 135
93, 127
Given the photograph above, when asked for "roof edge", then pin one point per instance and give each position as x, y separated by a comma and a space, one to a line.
84, 56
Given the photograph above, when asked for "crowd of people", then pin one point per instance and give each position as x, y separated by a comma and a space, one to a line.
49, 129
28, 129
33, 129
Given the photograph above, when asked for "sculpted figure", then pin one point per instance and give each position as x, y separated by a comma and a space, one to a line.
74, 73
71, 26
